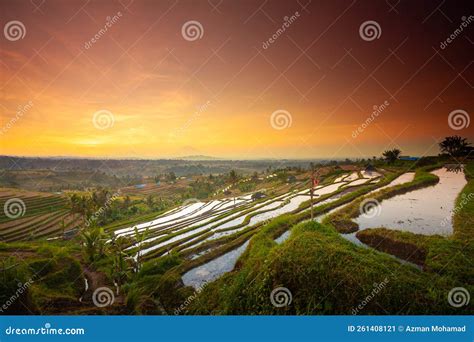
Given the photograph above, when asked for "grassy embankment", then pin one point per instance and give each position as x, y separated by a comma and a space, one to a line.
46, 277
451, 256
329, 275
326, 274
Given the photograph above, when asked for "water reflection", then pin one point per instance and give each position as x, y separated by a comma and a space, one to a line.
454, 168
213, 269
426, 211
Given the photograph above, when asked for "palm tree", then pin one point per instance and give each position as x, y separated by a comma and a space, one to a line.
391, 155
454, 146
233, 177
126, 202
149, 201
120, 266
139, 238
93, 245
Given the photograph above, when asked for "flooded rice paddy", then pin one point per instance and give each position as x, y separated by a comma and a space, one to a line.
212, 270
425, 211
420, 211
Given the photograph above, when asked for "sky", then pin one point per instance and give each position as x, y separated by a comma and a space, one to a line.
234, 79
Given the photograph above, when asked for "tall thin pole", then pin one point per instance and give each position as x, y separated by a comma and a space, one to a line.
314, 183
311, 191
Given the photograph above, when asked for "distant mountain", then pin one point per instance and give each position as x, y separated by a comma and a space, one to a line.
198, 157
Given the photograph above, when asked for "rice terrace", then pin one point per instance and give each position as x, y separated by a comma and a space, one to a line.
148, 254
236, 158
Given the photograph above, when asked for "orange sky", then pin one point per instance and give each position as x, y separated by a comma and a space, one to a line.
167, 96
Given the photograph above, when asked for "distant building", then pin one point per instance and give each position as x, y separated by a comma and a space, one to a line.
258, 195
369, 168
69, 234
409, 158
140, 186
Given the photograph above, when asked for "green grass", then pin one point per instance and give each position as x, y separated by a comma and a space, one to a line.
54, 273
326, 275
329, 275
451, 256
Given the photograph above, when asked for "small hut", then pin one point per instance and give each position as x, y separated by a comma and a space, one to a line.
258, 195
